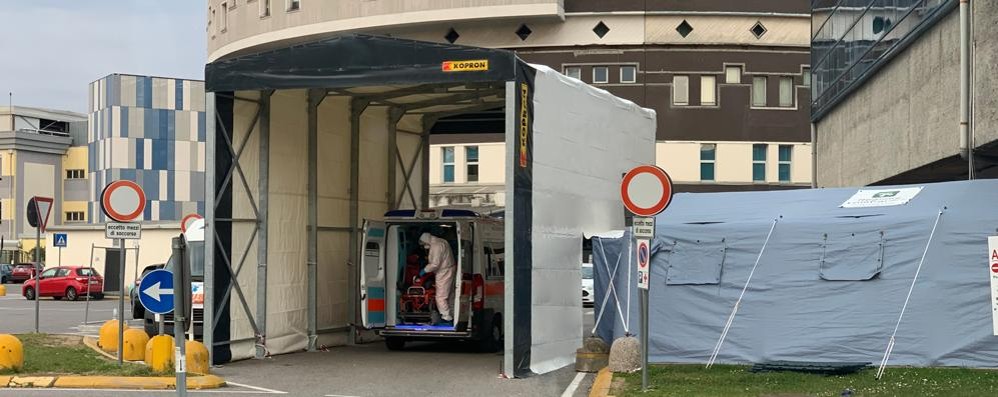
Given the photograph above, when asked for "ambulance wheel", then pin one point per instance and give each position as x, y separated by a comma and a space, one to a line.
491, 340
395, 343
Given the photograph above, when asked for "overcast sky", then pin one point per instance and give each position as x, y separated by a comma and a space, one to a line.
53, 49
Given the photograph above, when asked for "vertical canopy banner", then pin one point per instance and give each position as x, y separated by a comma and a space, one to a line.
832, 282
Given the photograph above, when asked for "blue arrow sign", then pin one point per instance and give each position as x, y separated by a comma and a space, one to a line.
156, 291
60, 239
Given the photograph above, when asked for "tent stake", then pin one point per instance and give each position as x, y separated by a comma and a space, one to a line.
738, 303
890, 343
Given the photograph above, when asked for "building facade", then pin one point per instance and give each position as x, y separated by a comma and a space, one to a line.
729, 79
150, 130
42, 153
887, 91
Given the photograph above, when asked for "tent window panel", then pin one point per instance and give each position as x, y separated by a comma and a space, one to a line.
852, 256
695, 262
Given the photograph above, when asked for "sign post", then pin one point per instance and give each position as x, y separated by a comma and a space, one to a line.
180, 291
122, 201
646, 191
39, 209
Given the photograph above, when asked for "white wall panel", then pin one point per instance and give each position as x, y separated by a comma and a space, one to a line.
584, 140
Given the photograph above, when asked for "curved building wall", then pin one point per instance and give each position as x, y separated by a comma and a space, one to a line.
682, 54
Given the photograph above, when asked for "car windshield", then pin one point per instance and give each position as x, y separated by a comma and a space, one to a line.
87, 272
195, 254
587, 272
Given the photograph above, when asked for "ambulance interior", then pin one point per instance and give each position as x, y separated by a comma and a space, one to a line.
412, 303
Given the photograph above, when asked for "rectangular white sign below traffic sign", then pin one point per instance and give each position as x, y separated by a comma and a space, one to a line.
644, 228
643, 255
993, 275
128, 231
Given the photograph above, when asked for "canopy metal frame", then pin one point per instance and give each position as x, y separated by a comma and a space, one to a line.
456, 98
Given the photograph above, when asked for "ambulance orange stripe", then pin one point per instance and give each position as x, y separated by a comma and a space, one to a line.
376, 305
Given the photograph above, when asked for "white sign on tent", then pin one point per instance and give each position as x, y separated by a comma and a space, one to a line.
993, 274
865, 198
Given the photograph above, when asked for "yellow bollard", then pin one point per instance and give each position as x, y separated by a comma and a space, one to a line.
3, 290
197, 357
134, 347
159, 353
109, 336
11, 353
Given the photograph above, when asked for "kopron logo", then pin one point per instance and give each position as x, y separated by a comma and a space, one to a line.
479, 65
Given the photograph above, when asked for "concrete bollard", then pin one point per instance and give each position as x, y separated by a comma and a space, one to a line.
108, 336
159, 353
625, 355
197, 357
134, 345
11, 353
3, 290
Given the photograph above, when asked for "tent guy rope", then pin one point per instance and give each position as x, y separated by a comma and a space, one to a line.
734, 310
890, 344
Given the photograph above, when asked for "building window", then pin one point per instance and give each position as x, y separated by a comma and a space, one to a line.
733, 74
601, 75
806, 75
759, 162
759, 91
628, 74
574, 72
294, 5
74, 174
708, 155
786, 152
74, 216
264, 8
708, 90
471, 158
681, 90
225, 17
786, 92
448, 154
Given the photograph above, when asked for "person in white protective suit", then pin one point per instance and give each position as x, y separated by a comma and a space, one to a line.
441, 261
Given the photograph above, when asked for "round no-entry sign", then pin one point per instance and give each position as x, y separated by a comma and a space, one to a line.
188, 221
994, 267
123, 201
646, 190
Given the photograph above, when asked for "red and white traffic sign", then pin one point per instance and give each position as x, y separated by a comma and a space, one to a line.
646, 190
644, 256
188, 221
39, 209
123, 201
994, 267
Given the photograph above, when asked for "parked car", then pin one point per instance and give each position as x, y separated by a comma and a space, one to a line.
587, 285
68, 282
5, 272
137, 310
24, 271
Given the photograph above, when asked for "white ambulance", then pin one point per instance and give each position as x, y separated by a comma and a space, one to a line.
399, 303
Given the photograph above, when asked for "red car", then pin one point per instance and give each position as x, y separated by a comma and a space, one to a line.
23, 271
68, 282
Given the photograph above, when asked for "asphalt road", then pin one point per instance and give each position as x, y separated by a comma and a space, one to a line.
17, 315
370, 370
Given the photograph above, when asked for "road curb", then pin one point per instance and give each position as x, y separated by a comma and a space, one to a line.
140, 383
601, 385
111, 382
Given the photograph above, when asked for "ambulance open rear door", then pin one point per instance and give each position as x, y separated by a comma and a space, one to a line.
372, 275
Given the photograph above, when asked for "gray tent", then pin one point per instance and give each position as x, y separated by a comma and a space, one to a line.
830, 284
